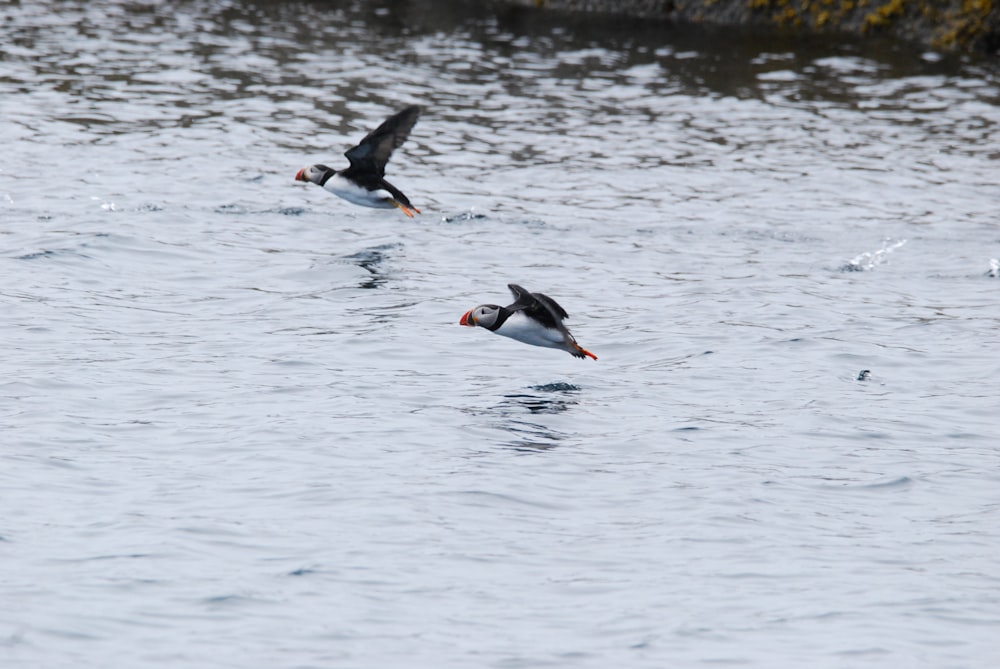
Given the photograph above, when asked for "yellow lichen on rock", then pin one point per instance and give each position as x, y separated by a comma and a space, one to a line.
883, 15
962, 26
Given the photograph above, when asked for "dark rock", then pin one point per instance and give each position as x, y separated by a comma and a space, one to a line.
947, 25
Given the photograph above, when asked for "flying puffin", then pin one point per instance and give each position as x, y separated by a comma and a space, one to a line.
364, 181
533, 318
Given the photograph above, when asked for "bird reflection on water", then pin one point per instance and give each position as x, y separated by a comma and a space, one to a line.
546, 399
372, 260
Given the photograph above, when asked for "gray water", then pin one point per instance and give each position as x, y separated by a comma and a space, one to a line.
241, 426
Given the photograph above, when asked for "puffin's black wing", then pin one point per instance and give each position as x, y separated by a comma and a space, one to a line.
371, 155
541, 307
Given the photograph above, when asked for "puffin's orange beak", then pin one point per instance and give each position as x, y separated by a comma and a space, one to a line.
298, 175
465, 320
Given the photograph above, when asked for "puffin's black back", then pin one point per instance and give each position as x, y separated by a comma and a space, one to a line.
538, 306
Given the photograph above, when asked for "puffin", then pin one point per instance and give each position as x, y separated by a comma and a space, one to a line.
533, 318
364, 181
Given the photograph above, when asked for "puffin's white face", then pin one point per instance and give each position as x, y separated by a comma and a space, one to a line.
313, 174
484, 315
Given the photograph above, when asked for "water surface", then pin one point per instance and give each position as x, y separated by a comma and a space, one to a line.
242, 427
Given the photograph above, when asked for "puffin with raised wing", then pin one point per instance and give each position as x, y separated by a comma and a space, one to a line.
364, 181
533, 318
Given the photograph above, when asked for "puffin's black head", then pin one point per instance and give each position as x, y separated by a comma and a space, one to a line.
485, 315
317, 174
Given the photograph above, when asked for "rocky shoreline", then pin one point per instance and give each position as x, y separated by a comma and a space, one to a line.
945, 25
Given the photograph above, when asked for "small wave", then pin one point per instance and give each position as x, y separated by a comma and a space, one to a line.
898, 482
36, 255
536, 404
491, 498
240, 209
557, 387
231, 209
464, 216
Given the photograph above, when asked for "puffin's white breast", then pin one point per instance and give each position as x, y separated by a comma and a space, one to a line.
524, 329
355, 194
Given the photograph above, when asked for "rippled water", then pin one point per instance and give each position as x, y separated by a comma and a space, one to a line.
242, 427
